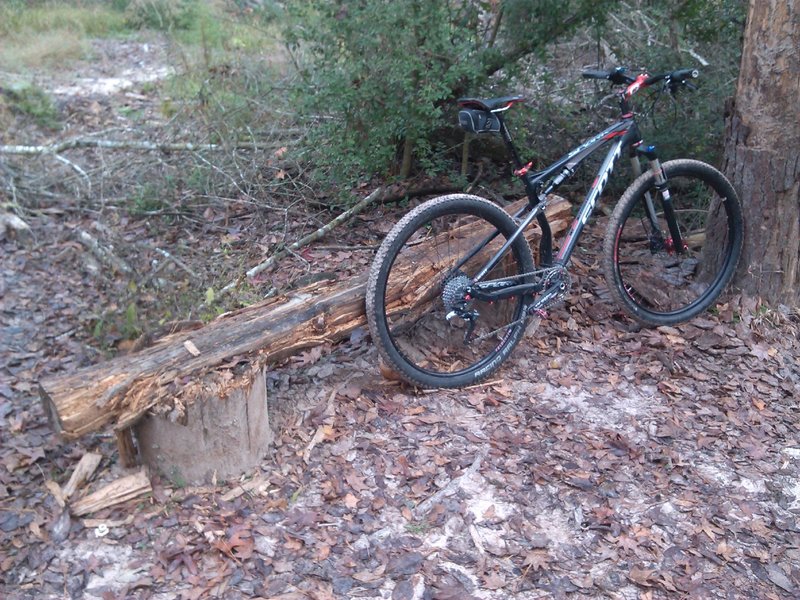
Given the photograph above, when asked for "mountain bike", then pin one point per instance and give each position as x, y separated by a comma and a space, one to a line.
454, 285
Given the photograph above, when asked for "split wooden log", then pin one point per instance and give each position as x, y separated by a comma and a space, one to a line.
116, 492
85, 469
119, 392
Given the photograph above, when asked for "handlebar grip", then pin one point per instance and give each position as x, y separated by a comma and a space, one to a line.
594, 74
677, 76
616, 76
682, 74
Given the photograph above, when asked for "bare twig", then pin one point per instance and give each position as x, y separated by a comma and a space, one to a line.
104, 254
77, 169
423, 507
311, 237
178, 262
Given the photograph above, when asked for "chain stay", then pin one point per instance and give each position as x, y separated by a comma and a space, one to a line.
552, 295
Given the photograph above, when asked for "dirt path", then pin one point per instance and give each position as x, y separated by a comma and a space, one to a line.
602, 462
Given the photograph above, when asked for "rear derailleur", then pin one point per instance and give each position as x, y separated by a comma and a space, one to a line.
457, 303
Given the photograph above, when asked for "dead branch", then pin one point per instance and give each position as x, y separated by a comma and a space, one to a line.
311, 237
60, 147
12, 225
85, 469
103, 253
380, 194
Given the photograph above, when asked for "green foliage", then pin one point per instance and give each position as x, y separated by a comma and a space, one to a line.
18, 17
161, 15
694, 31
34, 102
131, 328
377, 74
149, 197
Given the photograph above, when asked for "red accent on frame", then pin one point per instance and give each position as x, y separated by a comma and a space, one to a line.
634, 87
614, 134
522, 170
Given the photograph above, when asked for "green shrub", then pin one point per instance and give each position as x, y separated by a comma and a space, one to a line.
376, 75
161, 15
34, 102
694, 32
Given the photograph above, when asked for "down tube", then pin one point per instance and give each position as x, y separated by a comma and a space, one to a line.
587, 208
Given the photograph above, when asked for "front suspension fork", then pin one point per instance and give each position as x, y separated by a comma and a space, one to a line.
675, 243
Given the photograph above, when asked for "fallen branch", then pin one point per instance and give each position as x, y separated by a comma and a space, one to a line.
380, 194
12, 225
311, 237
452, 487
85, 469
178, 262
104, 254
59, 147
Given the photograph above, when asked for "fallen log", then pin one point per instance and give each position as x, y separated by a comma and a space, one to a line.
119, 392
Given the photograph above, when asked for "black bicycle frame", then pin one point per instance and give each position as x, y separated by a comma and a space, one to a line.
624, 133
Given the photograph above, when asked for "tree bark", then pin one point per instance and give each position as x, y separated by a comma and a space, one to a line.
232, 434
762, 159
119, 392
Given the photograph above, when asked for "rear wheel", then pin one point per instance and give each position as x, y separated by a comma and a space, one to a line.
419, 276
651, 279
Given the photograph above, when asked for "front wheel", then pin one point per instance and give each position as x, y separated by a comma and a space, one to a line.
656, 282
421, 274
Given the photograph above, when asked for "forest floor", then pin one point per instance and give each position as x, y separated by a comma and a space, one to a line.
602, 461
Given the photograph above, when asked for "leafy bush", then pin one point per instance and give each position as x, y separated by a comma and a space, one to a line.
706, 34
376, 75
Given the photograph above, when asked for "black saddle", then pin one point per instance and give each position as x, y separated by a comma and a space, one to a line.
492, 104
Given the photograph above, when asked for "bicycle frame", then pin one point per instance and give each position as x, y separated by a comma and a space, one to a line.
623, 133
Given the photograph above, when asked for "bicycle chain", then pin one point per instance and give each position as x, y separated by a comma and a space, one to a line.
536, 310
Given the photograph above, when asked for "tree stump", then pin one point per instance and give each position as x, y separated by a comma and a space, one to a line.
222, 433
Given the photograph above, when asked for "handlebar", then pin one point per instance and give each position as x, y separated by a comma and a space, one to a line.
676, 77
618, 76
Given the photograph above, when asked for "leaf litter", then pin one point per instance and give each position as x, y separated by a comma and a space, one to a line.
603, 461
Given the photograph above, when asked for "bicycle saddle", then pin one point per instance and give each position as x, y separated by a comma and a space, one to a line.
491, 104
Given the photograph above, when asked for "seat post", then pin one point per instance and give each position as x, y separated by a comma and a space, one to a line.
506, 135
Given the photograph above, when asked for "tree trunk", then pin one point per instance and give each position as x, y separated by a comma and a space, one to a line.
762, 152
119, 392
